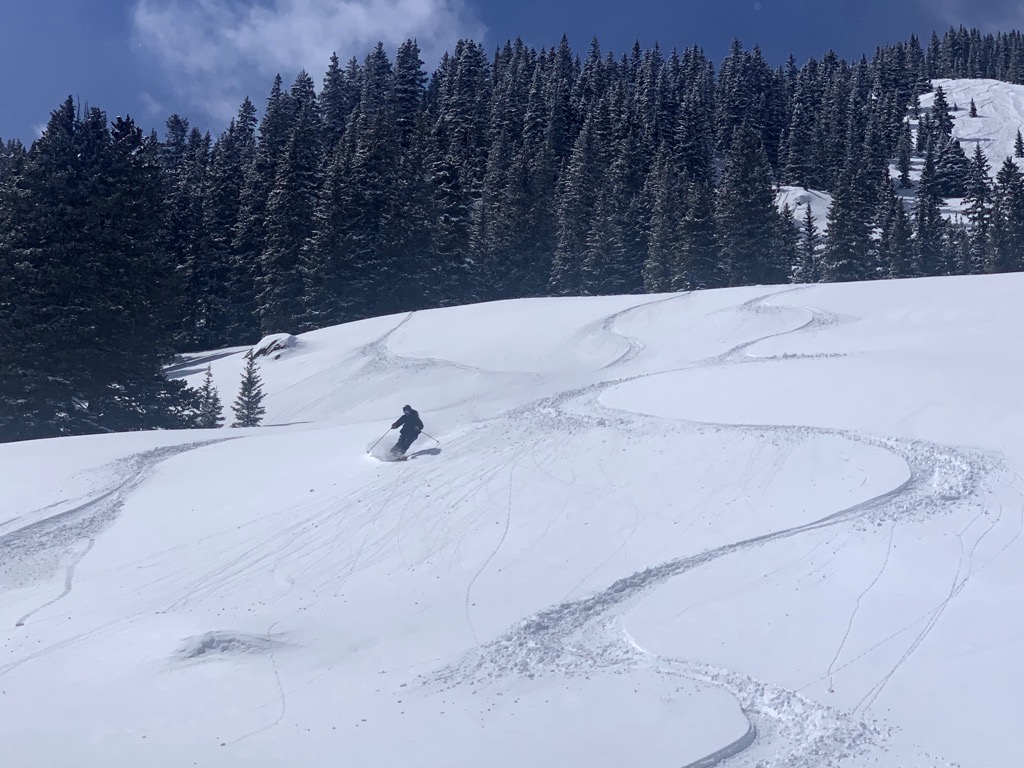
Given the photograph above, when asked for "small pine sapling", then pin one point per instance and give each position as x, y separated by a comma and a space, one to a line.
248, 407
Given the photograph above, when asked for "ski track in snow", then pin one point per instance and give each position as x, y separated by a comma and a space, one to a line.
587, 636
37, 550
577, 637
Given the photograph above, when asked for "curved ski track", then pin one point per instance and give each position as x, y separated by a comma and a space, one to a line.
580, 637
37, 550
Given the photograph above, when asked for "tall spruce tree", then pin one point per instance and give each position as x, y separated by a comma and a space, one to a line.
808, 249
952, 170
290, 211
251, 230
979, 212
928, 223
1007, 227
905, 150
577, 200
748, 222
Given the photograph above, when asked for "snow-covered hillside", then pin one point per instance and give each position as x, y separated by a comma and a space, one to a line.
773, 524
1000, 115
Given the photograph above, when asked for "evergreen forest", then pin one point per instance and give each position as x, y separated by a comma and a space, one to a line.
499, 174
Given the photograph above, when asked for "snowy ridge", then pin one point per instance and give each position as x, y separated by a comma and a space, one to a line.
753, 527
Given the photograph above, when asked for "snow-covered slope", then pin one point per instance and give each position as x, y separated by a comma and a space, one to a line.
799, 199
782, 525
1000, 115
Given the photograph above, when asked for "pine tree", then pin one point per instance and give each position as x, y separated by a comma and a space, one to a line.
905, 149
225, 207
290, 215
789, 241
1007, 227
338, 98
210, 411
974, 109
847, 252
942, 120
979, 212
808, 269
577, 199
928, 223
185, 234
747, 223
952, 170
664, 240
700, 260
83, 227
248, 406
251, 230
1018, 145
900, 252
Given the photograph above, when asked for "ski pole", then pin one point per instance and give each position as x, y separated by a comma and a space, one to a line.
433, 438
378, 440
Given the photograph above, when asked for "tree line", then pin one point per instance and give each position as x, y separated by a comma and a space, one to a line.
516, 173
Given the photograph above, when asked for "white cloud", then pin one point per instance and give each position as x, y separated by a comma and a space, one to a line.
988, 15
214, 51
150, 105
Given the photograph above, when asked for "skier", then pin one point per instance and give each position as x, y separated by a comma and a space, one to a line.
411, 426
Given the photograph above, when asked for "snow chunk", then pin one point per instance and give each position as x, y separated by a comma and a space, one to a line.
225, 643
274, 344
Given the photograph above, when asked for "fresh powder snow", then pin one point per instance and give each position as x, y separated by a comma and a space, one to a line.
748, 527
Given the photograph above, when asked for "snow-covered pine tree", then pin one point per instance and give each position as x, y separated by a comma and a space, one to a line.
906, 148
577, 198
251, 230
747, 224
209, 409
290, 213
952, 169
248, 406
924, 134
974, 109
700, 262
664, 244
789, 240
226, 183
979, 212
808, 270
928, 222
1018, 145
338, 98
1007, 229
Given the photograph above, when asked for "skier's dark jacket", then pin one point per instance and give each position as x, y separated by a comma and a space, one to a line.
409, 422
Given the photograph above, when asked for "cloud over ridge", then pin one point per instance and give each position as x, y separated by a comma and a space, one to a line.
988, 15
213, 49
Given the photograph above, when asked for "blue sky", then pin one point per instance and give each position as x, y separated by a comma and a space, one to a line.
149, 58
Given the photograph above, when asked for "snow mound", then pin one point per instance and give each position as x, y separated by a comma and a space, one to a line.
274, 345
225, 643
799, 199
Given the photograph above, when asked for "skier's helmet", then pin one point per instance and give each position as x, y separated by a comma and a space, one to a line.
406, 408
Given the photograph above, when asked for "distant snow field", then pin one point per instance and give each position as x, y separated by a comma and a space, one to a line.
748, 527
1000, 115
